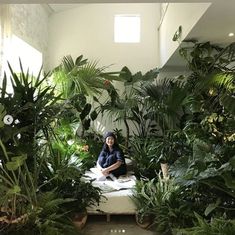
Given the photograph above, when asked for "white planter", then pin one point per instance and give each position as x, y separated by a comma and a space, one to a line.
165, 170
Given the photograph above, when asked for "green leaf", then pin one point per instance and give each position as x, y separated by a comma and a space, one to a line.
232, 161
4, 85
229, 180
177, 34
211, 207
14, 190
86, 123
126, 74
2, 114
85, 111
93, 115
16, 163
79, 61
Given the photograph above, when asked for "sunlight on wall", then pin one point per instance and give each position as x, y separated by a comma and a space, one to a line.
99, 127
31, 58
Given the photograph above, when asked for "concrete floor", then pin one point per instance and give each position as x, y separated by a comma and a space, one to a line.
119, 224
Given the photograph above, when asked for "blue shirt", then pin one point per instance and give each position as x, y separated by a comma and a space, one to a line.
108, 158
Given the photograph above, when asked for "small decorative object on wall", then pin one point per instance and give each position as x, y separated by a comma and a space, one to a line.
177, 34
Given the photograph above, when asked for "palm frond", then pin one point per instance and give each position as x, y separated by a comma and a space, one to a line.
82, 76
219, 80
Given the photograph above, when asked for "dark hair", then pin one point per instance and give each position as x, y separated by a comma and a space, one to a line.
109, 134
115, 145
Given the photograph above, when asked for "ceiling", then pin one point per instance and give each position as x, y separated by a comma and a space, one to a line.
214, 26
61, 7
216, 23
103, 1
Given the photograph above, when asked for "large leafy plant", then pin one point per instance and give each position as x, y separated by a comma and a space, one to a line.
125, 107
81, 77
206, 167
163, 111
82, 83
159, 199
24, 207
28, 203
32, 108
195, 119
63, 171
144, 156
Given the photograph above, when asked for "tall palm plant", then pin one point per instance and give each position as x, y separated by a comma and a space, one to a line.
82, 83
81, 77
166, 100
127, 101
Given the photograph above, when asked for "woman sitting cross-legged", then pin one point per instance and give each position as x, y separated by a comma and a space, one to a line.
111, 161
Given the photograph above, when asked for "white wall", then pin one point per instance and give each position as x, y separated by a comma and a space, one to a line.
30, 23
89, 30
29, 39
184, 14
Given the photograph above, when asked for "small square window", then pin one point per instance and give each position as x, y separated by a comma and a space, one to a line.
127, 29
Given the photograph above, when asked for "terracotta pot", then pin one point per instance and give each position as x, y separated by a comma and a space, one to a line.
79, 219
144, 222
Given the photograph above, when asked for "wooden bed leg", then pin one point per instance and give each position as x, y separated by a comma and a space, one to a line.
108, 217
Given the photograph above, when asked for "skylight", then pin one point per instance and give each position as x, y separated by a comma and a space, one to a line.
127, 28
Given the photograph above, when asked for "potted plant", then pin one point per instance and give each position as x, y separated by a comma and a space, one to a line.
29, 184
157, 202
63, 171
141, 197
84, 195
144, 156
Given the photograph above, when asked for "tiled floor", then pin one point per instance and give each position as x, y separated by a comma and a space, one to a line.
119, 224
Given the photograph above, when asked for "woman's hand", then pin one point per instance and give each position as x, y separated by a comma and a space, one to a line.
105, 172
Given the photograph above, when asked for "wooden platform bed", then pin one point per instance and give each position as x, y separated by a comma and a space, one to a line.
116, 198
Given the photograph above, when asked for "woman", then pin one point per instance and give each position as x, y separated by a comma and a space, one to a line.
111, 160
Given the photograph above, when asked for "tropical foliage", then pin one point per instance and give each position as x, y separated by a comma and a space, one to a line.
35, 168
48, 142
124, 107
195, 119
